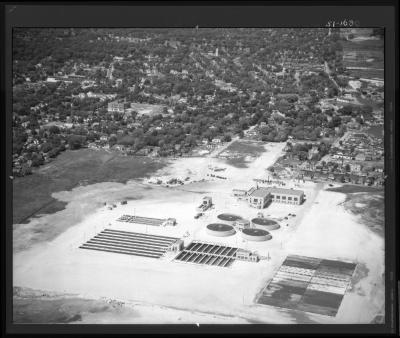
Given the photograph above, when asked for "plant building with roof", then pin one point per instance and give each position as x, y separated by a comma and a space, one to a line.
261, 197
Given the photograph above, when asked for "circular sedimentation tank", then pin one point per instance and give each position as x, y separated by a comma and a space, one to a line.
265, 223
220, 230
256, 235
230, 218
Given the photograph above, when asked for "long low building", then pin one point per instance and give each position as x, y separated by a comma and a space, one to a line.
290, 196
262, 197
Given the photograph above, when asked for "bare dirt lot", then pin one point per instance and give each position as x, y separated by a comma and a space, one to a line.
212, 294
147, 109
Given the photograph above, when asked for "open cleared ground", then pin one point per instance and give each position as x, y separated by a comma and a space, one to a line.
147, 109
241, 152
214, 295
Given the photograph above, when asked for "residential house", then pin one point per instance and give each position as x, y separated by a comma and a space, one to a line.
360, 157
216, 140
355, 167
117, 107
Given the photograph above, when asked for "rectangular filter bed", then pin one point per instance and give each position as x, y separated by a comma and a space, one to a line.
208, 254
141, 220
130, 243
309, 284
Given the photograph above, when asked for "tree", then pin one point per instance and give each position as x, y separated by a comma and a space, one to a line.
227, 138
379, 32
17, 147
243, 124
112, 140
46, 147
75, 142
313, 135
37, 160
316, 157
335, 122
302, 155
346, 110
359, 120
127, 140
25, 170
54, 152
332, 91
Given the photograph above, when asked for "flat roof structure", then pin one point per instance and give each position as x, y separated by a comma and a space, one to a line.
262, 192
284, 191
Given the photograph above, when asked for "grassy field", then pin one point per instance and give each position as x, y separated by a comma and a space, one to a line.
368, 53
371, 208
367, 73
373, 103
376, 131
32, 194
30, 306
350, 188
238, 151
368, 203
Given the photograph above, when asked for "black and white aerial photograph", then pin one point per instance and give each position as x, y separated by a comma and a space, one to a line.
198, 176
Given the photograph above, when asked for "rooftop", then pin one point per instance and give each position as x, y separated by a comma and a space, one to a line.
286, 191
262, 192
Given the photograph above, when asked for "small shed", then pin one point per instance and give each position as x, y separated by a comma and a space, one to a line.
177, 246
245, 255
170, 222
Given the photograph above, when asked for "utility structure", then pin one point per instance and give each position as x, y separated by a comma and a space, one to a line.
205, 204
